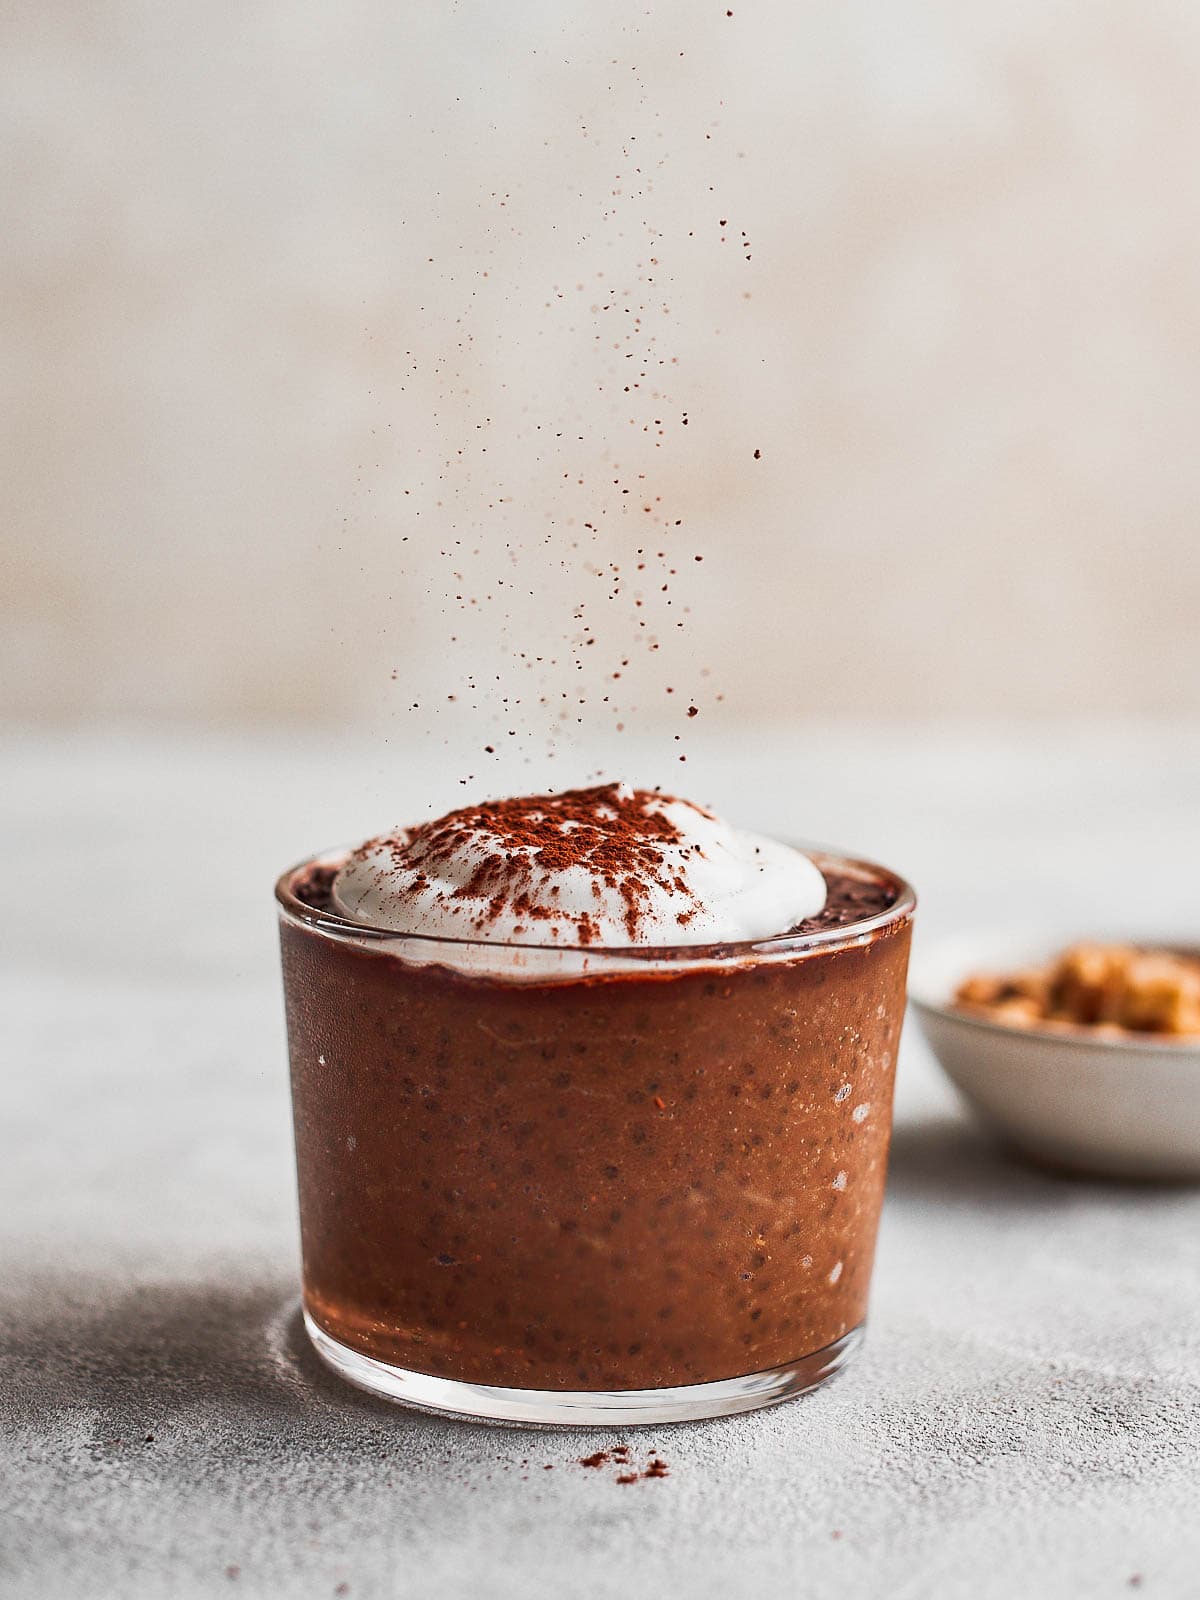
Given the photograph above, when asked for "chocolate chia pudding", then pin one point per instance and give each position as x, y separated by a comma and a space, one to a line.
592, 1101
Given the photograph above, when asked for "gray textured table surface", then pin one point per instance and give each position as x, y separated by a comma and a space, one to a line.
1025, 1419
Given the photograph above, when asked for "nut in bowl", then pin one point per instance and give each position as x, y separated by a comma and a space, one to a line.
1085, 1056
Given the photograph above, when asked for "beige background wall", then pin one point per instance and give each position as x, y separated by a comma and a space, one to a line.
245, 411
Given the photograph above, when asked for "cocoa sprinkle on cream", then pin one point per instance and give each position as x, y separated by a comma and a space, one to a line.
616, 834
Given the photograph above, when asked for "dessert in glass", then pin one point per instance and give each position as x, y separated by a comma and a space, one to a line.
592, 1097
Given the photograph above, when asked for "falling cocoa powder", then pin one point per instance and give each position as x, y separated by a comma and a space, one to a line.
531, 499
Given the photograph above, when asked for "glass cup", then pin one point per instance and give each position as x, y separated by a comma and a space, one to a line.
589, 1186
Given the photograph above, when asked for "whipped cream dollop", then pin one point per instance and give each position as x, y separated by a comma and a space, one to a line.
609, 866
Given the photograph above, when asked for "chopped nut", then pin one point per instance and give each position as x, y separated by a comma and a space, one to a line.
980, 989
1113, 989
1032, 983
1017, 1013
1087, 981
1162, 995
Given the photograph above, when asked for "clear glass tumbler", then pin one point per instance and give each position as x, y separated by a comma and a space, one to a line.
591, 1186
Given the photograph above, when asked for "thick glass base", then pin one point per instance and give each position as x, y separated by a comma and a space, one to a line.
582, 1408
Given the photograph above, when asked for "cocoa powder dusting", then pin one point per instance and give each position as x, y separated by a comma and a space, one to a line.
611, 833
618, 1456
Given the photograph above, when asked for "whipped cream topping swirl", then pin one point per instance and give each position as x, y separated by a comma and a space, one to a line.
609, 866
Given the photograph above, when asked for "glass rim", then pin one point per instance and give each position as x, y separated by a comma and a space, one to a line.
332, 924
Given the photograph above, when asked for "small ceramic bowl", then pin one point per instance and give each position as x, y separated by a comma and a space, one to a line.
1120, 1107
